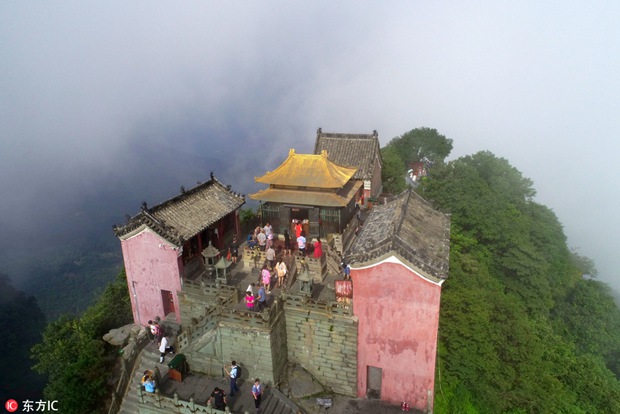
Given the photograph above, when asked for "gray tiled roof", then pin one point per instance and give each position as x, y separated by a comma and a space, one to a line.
182, 217
351, 150
408, 226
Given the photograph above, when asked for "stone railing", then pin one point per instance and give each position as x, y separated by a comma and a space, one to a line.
250, 318
226, 295
128, 362
329, 307
157, 403
253, 258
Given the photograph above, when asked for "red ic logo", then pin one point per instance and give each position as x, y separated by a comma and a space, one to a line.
11, 406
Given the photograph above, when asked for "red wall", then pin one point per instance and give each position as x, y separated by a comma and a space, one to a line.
152, 265
398, 313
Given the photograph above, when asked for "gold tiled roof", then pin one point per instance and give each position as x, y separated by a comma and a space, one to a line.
309, 198
308, 170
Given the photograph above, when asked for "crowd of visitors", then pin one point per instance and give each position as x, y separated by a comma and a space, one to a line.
265, 239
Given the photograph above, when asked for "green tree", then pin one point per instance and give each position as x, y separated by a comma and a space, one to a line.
517, 320
75, 358
421, 143
392, 171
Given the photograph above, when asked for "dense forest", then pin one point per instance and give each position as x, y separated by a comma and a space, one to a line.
73, 356
525, 327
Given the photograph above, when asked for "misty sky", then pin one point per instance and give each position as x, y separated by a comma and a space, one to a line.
106, 104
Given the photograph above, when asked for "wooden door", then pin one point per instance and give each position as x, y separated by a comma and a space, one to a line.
168, 301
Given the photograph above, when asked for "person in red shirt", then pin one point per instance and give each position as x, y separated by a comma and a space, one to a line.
318, 248
249, 300
298, 229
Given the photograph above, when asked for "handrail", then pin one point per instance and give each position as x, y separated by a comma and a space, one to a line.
128, 367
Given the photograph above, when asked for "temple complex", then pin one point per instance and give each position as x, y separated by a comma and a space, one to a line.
374, 336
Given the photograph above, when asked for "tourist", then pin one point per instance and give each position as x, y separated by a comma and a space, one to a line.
346, 269
262, 240
152, 331
270, 255
234, 249
233, 374
266, 276
257, 393
164, 349
318, 248
249, 300
251, 241
148, 374
301, 243
268, 229
218, 399
261, 298
281, 271
269, 241
160, 331
287, 243
298, 229
150, 385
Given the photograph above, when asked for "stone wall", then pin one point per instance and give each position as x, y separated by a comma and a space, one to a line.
257, 341
319, 336
322, 338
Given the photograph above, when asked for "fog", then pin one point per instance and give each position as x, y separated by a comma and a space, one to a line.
106, 104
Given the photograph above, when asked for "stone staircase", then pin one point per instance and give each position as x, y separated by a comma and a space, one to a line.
148, 360
195, 386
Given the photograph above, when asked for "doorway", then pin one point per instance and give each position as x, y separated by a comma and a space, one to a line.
168, 301
373, 382
300, 214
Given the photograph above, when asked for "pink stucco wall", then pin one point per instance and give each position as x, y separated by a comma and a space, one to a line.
398, 313
152, 265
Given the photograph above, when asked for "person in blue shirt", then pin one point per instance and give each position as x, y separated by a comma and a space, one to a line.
149, 385
233, 374
261, 298
257, 393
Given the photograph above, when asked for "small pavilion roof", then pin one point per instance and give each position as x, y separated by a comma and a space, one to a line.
408, 226
210, 251
308, 170
351, 150
182, 217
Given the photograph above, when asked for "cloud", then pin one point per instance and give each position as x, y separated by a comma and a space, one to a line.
113, 103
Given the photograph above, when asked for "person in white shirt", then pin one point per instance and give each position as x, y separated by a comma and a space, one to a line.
164, 349
301, 243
